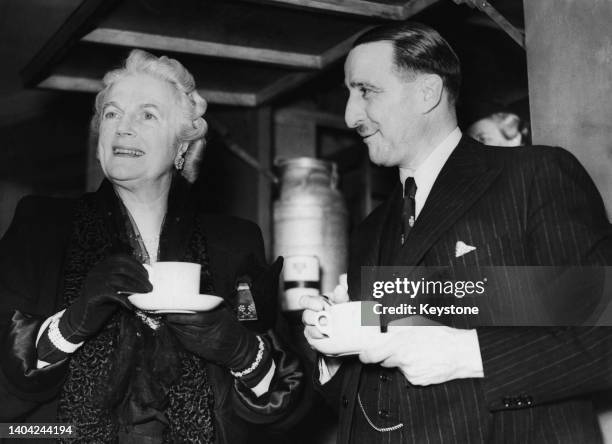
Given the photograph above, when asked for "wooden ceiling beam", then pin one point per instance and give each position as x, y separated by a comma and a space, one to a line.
240, 53
81, 21
133, 39
387, 9
281, 86
232, 30
284, 84
212, 49
85, 84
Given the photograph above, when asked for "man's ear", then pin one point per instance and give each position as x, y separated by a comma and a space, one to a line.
432, 89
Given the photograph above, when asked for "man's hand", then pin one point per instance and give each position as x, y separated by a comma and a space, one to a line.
312, 305
428, 354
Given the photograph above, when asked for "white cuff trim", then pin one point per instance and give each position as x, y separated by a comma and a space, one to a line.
264, 384
41, 330
51, 325
473, 355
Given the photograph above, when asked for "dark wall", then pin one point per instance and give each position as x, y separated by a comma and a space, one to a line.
44, 154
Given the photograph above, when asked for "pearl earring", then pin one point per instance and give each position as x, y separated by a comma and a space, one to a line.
179, 163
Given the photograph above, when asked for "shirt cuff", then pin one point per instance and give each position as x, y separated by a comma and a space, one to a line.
264, 385
473, 358
327, 369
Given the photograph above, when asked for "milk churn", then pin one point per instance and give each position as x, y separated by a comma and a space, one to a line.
310, 219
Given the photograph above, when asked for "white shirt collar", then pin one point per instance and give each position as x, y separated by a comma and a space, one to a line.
426, 173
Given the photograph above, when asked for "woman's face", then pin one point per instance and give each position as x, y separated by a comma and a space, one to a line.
138, 127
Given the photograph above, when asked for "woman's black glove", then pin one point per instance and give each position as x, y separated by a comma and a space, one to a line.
106, 287
218, 337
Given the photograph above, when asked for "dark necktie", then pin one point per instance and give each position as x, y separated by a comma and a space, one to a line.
409, 207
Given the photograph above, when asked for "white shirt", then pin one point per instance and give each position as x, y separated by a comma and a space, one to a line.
426, 174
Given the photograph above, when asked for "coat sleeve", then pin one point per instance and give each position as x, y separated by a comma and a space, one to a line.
25, 301
239, 256
22, 385
279, 405
567, 226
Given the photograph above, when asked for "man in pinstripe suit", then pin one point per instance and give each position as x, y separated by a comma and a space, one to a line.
474, 205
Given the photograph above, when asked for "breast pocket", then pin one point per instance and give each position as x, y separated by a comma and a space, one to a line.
496, 251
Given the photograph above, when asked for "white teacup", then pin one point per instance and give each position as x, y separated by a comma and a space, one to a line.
176, 288
351, 327
173, 280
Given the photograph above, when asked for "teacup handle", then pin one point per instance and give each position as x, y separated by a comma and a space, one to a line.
323, 328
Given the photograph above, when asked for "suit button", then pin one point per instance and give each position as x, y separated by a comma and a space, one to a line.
506, 402
384, 413
344, 401
384, 377
528, 400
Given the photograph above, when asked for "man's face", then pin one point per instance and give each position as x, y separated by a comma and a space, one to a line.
384, 106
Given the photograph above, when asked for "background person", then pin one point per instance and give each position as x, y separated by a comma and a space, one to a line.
499, 129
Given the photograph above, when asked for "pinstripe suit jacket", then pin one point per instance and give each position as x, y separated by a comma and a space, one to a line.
519, 206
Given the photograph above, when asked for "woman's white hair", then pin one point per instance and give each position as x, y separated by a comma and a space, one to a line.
192, 127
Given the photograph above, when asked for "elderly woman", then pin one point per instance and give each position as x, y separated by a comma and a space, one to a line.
75, 350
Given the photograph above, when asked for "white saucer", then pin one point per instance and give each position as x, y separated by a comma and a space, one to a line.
192, 304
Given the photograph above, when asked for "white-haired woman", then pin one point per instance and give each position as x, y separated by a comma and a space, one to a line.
75, 350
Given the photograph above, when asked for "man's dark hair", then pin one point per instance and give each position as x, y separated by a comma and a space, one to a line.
419, 49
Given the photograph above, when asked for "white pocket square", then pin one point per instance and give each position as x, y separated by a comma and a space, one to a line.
462, 248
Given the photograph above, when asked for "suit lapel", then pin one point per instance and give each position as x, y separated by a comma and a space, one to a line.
462, 180
376, 239
370, 241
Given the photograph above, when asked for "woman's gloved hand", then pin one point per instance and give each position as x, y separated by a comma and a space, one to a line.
218, 337
106, 287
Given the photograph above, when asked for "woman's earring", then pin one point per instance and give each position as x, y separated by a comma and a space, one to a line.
179, 163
